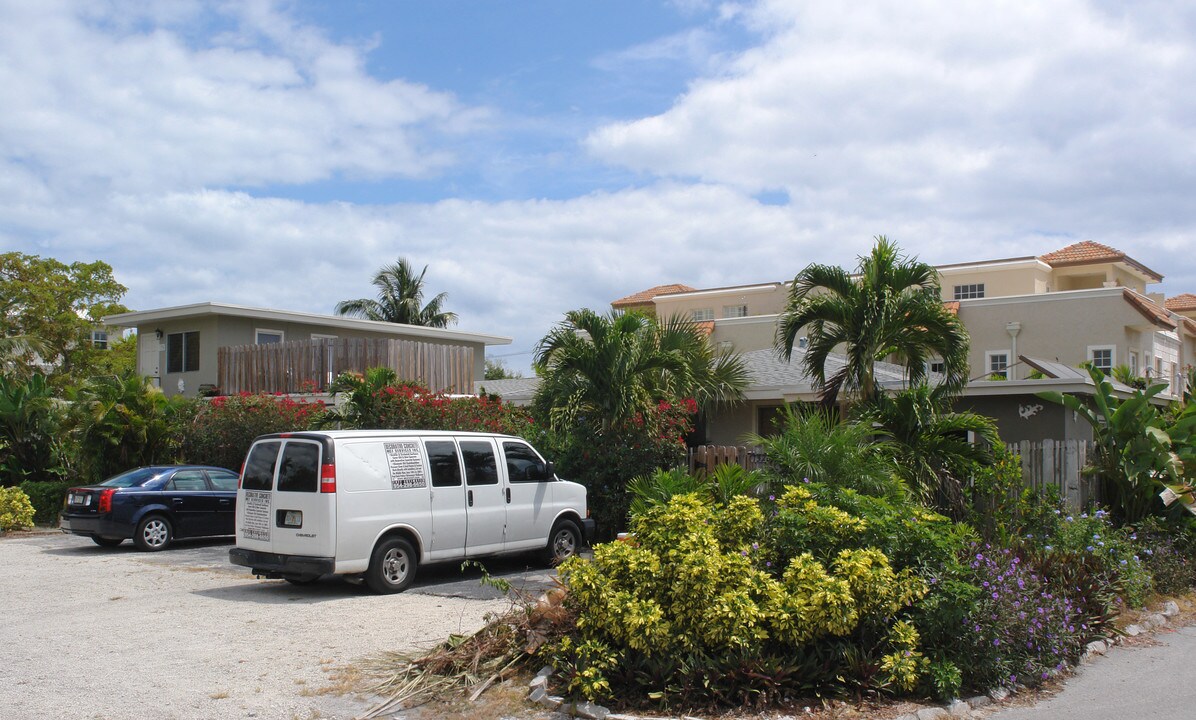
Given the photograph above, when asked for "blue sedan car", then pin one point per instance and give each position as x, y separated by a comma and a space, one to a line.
153, 506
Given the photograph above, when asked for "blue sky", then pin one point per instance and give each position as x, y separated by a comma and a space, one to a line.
546, 156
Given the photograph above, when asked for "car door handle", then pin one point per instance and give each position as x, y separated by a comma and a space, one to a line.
470, 494
508, 496
177, 501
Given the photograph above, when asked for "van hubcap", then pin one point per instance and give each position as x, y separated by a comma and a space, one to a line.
394, 566
562, 545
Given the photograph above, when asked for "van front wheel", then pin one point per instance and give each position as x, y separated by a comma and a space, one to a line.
563, 542
392, 567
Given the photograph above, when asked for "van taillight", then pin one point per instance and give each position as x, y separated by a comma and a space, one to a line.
106, 500
241, 477
328, 478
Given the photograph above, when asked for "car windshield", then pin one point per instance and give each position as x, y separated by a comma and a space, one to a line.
132, 478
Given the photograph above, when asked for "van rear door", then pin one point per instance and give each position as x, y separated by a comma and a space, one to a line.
283, 507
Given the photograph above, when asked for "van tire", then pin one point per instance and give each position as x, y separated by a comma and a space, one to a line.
563, 542
392, 566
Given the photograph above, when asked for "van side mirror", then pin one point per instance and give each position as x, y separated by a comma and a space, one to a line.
549, 471
540, 472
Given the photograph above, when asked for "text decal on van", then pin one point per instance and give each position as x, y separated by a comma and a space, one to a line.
406, 465
256, 515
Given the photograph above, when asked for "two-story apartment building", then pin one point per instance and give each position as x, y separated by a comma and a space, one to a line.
183, 348
1084, 303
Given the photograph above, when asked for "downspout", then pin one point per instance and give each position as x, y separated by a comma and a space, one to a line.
1013, 328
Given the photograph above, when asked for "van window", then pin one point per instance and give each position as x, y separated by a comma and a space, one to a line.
480, 465
523, 464
259, 468
299, 470
446, 468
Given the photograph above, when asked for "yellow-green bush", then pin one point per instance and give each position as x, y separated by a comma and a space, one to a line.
15, 509
691, 597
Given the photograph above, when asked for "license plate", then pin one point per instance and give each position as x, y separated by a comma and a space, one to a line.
79, 499
293, 518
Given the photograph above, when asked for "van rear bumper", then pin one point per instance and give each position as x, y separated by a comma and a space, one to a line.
272, 565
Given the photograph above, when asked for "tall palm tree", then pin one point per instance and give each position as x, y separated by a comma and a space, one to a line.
890, 308
609, 367
400, 299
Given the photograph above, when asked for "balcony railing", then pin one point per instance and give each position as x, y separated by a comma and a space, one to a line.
311, 365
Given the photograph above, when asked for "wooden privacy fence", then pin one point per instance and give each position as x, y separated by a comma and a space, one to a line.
311, 365
708, 457
1057, 463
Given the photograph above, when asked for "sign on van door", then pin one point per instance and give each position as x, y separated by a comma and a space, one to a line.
485, 500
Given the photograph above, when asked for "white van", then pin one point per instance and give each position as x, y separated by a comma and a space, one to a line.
377, 503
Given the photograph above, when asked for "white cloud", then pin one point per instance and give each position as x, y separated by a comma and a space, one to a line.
101, 95
1055, 117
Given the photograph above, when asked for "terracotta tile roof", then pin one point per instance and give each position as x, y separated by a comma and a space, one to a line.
706, 326
952, 306
644, 297
1091, 253
1180, 303
1150, 310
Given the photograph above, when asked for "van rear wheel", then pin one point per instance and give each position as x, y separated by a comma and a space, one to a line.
563, 542
392, 566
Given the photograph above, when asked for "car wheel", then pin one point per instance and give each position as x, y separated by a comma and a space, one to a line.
563, 542
153, 533
392, 567
106, 541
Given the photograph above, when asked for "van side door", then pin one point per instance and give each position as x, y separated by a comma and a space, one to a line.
530, 507
485, 499
448, 500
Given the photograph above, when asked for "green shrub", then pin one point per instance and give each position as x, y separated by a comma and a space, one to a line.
691, 610
15, 509
221, 430
1167, 550
47, 498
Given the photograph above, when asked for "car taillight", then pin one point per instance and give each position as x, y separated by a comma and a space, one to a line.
328, 478
106, 500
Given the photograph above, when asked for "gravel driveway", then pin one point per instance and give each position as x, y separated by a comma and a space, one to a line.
109, 634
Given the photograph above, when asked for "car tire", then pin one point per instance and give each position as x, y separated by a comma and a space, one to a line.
392, 566
563, 542
108, 542
154, 533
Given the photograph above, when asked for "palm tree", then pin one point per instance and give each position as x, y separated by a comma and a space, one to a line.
932, 447
610, 367
400, 299
890, 308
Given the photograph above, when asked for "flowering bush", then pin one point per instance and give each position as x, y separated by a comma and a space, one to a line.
221, 429
1168, 552
606, 459
15, 509
1021, 629
379, 400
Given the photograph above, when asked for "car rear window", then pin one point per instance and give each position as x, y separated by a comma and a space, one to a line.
223, 479
133, 478
259, 467
299, 470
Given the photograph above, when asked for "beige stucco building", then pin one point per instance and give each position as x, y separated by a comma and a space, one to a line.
1083, 303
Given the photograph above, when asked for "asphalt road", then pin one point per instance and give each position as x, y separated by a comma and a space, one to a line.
1150, 682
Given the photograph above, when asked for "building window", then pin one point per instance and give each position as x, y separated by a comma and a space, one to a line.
1101, 357
734, 311
969, 292
703, 315
937, 366
725, 346
99, 339
997, 364
803, 342
267, 337
182, 352
1134, 363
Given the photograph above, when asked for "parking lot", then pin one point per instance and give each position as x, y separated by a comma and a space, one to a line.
100, 633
